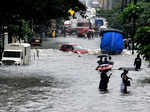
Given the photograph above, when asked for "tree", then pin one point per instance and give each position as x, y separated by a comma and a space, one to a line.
142, 35
142, 39
123, 20
21, 29
38, 10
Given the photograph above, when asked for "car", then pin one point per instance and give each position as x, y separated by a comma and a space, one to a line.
73, 47
36, 41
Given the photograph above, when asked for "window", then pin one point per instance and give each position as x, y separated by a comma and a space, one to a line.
78, 47
11, 54
67, 46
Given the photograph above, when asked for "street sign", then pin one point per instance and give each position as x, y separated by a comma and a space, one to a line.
71, 12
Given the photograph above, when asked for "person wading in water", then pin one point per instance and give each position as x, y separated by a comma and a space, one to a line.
137, 62
125, 81
104, 80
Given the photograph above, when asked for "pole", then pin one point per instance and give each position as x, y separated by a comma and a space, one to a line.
135, 1
122, 5
134, 28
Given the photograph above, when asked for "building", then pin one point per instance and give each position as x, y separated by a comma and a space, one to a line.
104, 4
91, 3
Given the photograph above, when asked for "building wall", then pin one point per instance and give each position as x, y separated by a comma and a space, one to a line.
106, 4
109, 4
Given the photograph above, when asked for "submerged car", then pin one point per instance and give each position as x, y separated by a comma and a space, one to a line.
73, 47
36, 41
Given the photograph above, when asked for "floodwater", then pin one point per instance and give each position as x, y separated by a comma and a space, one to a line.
64, 82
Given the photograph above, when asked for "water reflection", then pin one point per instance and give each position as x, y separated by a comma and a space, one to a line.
146, 80
25, 82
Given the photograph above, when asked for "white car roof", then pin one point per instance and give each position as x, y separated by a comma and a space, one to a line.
22, 44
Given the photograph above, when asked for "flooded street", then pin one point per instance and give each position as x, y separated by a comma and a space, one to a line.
64, 82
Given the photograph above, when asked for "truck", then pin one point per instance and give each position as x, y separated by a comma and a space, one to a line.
82, 28
16, 54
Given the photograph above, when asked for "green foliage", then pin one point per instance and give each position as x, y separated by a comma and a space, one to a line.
13, 29
123, 21
131, 11
23, 28
26, 30
38, 10
111, 16
142, 39
114, 19
143, 19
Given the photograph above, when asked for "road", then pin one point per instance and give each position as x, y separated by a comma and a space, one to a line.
64, 82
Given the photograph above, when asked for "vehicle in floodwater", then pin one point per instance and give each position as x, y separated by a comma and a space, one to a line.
112, 41
16, 53
82, 28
